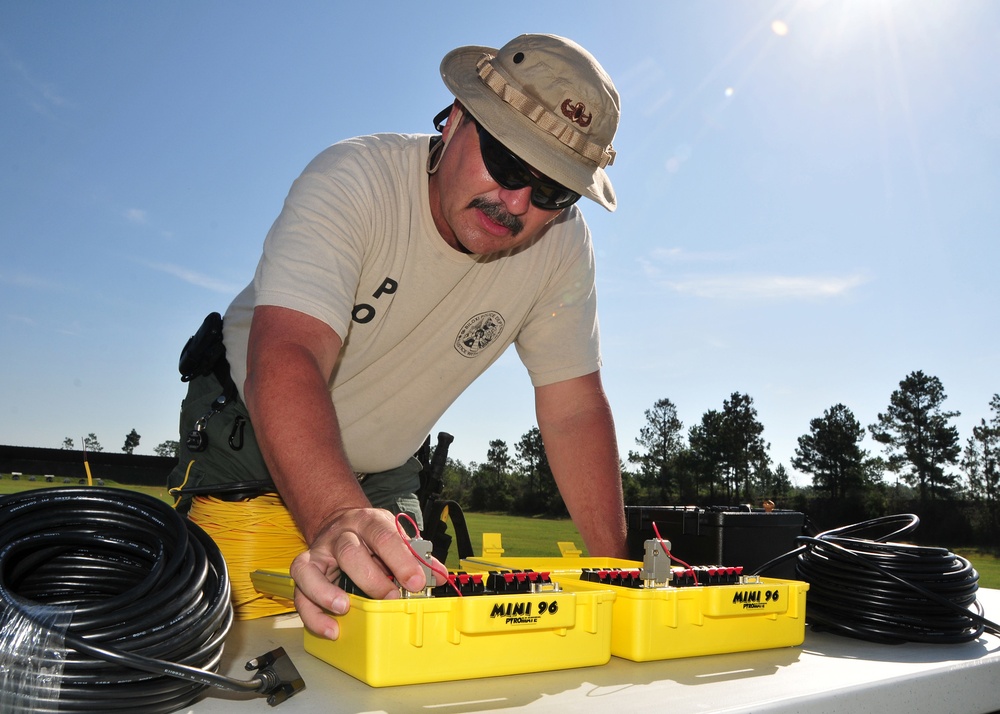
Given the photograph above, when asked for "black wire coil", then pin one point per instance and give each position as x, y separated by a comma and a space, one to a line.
884, 591
140, 587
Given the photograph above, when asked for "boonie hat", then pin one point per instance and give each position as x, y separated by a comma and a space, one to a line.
547, 100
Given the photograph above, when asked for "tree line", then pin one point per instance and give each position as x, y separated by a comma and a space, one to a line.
723, 459
90, 443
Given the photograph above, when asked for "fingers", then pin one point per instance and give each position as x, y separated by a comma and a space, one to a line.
377, 549
314, 618
440, 572
316, 596
366, 545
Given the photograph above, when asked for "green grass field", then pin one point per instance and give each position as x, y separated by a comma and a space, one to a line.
986, 564
521, 536
7, 486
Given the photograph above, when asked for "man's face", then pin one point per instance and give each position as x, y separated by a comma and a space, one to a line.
472, 212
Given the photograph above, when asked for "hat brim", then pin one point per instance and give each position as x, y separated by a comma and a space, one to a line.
519, 133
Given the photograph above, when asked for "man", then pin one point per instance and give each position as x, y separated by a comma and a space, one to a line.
398, 270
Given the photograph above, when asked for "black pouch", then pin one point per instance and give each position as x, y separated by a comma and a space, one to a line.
204, 350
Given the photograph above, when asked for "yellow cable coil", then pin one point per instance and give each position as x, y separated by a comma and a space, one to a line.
257, 533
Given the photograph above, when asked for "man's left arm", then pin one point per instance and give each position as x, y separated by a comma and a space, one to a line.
578, 431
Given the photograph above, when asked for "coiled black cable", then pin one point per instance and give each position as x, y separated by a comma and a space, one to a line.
142, 594
884, 591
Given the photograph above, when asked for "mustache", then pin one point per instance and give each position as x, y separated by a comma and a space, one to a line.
496, 213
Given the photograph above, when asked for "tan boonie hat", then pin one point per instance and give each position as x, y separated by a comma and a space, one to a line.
547, 100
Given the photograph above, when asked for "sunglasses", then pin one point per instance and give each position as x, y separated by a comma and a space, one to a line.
512, 173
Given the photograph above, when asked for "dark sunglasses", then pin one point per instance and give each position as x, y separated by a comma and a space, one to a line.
512, 173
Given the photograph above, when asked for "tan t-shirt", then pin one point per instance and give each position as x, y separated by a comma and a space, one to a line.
355, 246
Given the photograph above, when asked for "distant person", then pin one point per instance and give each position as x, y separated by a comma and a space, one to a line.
400, 267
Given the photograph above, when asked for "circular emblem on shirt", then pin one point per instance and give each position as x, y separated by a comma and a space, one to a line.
477, 334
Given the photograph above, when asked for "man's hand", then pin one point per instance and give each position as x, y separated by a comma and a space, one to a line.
365, 544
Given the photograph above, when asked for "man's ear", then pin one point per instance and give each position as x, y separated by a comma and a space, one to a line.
454, 120
447, 132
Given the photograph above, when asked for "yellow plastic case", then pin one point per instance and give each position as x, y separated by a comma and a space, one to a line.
669, 622
435, 639
544, 564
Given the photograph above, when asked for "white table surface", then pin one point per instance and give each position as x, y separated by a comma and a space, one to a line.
827, 674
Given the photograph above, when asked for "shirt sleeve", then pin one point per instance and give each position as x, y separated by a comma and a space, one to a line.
560, 339
314, 253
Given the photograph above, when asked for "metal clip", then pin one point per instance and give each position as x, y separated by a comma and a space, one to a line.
197, 438
236, 435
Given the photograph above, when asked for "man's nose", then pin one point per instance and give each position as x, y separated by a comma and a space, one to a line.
517, 200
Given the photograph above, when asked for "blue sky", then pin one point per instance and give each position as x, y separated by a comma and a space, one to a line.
808, 196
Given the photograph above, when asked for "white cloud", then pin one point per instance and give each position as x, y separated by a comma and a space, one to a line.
135, 215
42, 97
23, 319
195, 278
653, 265
680, 255
26, 280
766, 287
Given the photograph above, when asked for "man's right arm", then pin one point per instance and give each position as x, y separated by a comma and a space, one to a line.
290, 357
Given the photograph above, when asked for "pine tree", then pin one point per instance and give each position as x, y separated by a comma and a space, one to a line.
981, 463
917, 437
662, 442
131, 441
832, 452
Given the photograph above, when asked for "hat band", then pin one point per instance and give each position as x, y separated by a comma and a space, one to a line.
541, 116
